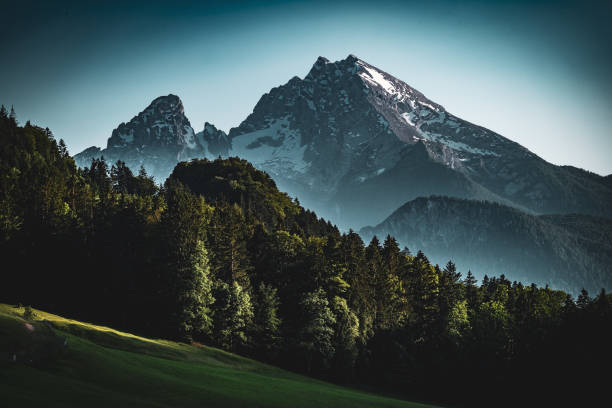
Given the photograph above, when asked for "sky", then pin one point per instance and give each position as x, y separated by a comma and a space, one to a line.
536, 72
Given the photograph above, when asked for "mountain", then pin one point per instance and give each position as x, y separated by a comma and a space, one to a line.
215, 140
157, 138
220, 257
349, 137
567, 252
354, 143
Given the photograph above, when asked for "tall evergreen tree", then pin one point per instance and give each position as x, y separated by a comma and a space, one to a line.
266, 321
317, 333
13, 116
471, 291
346, 333
424, 293
233, 316
187, 281
195, 294
228, 236
360, 296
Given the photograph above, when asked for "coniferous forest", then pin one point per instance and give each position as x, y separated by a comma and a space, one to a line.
217, 255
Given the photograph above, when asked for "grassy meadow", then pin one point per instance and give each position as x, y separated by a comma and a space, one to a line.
80, 364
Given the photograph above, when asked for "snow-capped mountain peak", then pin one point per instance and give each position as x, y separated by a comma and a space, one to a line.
354, 142
162, 123
157, 138
348, 126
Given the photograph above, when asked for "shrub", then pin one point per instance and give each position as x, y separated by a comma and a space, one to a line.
28, 313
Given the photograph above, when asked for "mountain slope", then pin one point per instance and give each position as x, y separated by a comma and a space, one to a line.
568, 252
102, 367
343, 140
331, 136
416, 175
215, 140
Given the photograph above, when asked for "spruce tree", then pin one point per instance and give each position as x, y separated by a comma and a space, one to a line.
228, 237
471, 290
266, 321
316, 336
233, 316
346, 333
360, 296
13, 116
188, 282
194, 294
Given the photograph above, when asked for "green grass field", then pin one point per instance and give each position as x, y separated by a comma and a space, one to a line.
102, 367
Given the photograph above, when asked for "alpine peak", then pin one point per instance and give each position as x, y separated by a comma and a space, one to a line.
354, 143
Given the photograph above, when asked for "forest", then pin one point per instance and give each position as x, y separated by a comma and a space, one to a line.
217, 255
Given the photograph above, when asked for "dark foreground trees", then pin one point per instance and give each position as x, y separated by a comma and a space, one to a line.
217, 255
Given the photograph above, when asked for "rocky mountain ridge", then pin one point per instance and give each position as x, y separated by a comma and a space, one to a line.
354, 143
157, 138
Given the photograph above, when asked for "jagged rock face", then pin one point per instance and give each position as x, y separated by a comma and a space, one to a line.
567, 252
335, 138
316, 131
162, 124
157, 138
354, 143
216, 140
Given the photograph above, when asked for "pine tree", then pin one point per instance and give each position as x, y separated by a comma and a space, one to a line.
122, 178
391, 255
377, 279
335, 267
13, 116
233, 315
424, 291
317, 333
49, 134
346, 332
471, 291
583, 299
360, 296
229, 241
194, 294
451, 292
391, 305
145, 184
188, 282
266, 321
98, 177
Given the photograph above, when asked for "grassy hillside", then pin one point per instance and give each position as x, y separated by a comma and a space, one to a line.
80, 364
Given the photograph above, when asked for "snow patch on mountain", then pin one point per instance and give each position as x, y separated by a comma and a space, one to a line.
189, 137
377, 78
349, 124
277, 148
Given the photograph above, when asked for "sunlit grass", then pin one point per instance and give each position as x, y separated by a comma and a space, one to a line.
103, 367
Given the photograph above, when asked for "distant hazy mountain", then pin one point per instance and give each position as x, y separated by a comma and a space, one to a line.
565, 251
354, 143
158, 138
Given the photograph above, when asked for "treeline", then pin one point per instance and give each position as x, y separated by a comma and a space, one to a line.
218, 255
570, 252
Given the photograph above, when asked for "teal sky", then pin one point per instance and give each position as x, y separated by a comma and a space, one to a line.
536, 72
